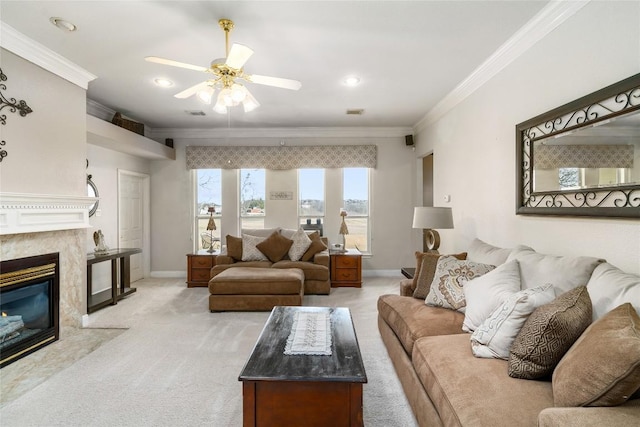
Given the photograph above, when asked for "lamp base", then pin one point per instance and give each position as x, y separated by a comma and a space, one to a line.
430, 240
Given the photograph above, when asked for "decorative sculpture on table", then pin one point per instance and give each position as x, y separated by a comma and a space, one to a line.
211, 226
101, 247
343, 229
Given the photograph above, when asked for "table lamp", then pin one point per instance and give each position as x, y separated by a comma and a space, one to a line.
211, 226
429, 218
343, 229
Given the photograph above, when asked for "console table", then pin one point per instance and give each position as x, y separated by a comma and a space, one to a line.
118, 290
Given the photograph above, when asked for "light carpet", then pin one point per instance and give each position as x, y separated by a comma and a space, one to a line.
177, 364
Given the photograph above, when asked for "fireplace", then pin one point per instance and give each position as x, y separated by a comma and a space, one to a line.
29, 300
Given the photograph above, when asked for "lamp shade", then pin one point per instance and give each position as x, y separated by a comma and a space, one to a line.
430, 217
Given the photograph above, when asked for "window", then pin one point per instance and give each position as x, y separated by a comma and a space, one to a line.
311, 198
208, 194
252, 196
355, 194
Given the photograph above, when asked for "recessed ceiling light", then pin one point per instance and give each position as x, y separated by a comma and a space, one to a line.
352, 81
62, 24
163, 82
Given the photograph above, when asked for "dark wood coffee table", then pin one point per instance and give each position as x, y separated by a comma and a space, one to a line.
303, 390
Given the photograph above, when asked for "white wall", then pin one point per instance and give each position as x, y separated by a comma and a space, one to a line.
392, 185
474, 144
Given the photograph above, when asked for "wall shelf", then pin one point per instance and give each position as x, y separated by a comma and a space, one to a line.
108, 135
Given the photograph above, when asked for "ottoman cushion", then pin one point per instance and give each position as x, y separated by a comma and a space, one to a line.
257, 281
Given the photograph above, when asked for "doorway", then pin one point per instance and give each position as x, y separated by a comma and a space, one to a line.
133, 220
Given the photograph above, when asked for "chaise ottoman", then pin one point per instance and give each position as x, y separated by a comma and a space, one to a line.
255, 289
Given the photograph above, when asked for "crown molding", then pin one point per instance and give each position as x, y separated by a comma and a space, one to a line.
16, 42
305, 132
549, 18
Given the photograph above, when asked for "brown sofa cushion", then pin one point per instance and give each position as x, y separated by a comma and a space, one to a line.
603, 366
275, 247
425, 270
468, 391
411, 319
548, 333
234, 247
316, 246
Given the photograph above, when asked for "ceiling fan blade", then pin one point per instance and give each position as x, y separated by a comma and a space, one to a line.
238, 56
275, 81
192, 90
174, 63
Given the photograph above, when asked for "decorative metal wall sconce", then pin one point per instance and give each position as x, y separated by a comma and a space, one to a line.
14, 105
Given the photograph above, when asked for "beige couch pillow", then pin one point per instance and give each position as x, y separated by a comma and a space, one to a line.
548, 333
603, 366
609, 287
425, 269
250, 251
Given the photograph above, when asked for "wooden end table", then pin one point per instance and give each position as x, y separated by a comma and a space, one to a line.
346, 268
199, 267
303, 390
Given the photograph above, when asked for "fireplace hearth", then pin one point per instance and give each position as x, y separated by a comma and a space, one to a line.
29, 305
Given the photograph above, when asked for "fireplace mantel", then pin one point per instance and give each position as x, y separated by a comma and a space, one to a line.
35, 213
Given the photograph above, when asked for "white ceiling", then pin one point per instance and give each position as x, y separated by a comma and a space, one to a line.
408, 54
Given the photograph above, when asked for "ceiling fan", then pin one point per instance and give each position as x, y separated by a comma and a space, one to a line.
226, 72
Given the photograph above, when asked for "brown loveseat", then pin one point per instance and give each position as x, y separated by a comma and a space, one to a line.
316, 268
446, 385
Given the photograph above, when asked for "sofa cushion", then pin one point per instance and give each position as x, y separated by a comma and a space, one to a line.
468, 391
609, 287
483, 294
234, 247
317, 245
301, 243
603, 366
425, 270
448, 281
485, 253
548, 333
410, 319
563, 272
494, 337
250, 252
275, 246
311, 270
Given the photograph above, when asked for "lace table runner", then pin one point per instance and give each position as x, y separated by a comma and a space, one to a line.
310, 334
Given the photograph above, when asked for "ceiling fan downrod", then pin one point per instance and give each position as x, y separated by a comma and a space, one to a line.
227, 26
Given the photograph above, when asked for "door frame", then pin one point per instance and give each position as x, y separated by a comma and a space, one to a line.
146, 217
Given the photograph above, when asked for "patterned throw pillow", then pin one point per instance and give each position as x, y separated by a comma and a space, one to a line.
548, 333
275, 247
425, 270
494, 337
448, 281
316, 246
603, 367
301, 243
249, 250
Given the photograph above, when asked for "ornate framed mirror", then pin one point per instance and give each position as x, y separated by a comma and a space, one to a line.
583, 158
92, 191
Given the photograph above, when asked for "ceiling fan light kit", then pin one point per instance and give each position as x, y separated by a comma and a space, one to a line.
225, 72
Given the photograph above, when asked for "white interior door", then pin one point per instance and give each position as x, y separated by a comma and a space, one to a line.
132, 201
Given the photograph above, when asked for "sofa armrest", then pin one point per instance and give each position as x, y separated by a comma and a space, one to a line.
322, 258
224, 259
406, 287
626, 415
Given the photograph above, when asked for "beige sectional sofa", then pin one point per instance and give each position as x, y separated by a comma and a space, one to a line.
316, 268
594, 382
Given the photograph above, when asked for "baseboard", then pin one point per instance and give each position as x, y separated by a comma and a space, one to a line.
85, 320
381, 273
168, 274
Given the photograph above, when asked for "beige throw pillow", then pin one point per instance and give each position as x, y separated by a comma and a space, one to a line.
548, 333
450, 276
249, 250
425, 270
603, 366
301, 243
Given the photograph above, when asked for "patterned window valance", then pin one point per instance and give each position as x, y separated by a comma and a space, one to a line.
583, 156
281, 158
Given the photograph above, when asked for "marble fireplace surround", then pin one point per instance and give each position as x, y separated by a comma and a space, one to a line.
36, 224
